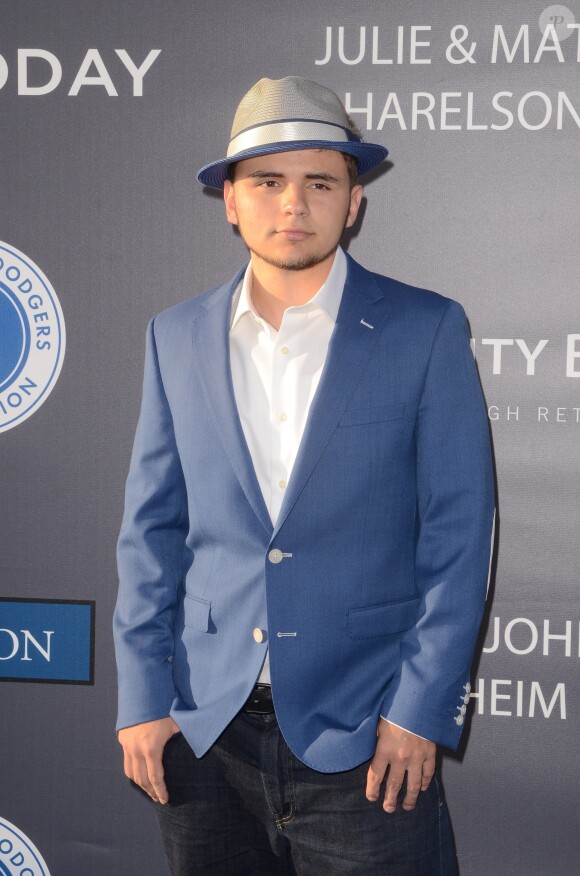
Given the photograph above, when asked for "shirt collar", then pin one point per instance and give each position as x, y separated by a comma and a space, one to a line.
326, 299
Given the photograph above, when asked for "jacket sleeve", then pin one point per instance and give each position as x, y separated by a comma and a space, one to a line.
455, 519
151, 557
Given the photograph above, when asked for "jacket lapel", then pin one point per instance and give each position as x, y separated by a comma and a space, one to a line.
361, 317
212, 352
362, 314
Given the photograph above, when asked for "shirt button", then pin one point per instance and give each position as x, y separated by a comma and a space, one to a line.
282, 485
275, 556
284, 351
463, 710
459, 720
258, 635
466, 698
467, 687
283, 418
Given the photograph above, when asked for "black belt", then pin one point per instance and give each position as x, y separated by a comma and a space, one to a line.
260, 701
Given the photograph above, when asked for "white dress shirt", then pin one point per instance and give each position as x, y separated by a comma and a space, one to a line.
275, 375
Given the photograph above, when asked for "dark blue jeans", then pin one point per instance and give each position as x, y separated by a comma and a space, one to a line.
250, 807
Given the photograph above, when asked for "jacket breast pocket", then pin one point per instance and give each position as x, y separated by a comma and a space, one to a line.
382, 620
380, 414
197, 613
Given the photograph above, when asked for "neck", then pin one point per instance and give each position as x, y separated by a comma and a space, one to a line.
275, 289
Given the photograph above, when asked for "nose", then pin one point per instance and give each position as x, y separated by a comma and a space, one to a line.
295, 201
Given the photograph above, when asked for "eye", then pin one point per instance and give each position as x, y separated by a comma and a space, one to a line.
268, 183
320, 187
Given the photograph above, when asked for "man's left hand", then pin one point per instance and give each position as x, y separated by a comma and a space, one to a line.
400, 752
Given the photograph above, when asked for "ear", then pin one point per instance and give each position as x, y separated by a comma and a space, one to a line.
230, 202
356, 194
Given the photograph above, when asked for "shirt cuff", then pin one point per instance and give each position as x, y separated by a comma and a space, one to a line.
404, 728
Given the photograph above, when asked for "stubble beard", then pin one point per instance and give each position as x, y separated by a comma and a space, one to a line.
298, 262
293, 263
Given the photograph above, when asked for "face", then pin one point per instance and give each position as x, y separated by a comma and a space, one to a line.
292, 207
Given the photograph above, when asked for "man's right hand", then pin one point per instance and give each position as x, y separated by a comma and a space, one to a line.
143, 746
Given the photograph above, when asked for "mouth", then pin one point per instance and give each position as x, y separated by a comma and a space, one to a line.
294, 233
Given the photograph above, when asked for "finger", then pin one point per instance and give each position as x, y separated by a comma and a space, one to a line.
375, 775
127, 764
428, 773
139, 774
156, 781
135, 769
413, 787
394, 783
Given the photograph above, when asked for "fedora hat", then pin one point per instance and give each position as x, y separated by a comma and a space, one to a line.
280, 115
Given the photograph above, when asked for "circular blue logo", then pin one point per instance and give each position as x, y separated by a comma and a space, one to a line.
32, 337
18, 855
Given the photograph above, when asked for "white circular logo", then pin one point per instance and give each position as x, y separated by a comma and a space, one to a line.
560, 17
18, 855
32, 337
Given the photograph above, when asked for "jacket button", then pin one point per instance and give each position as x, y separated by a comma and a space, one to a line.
275, 556
259, 635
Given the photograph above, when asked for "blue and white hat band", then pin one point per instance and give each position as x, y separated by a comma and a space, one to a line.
288, 131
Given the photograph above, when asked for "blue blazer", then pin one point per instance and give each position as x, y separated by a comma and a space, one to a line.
369, 589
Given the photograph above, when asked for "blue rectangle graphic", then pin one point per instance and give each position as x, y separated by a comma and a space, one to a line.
47, 640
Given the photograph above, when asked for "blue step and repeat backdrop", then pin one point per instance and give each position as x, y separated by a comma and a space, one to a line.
107, 109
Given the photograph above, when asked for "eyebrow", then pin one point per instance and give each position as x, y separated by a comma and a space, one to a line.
265, 174
327, 177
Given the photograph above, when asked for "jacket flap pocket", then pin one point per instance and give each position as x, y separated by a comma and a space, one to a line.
360, 416
197, 613
382, 620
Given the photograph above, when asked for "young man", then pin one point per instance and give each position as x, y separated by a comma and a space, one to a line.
306, 543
